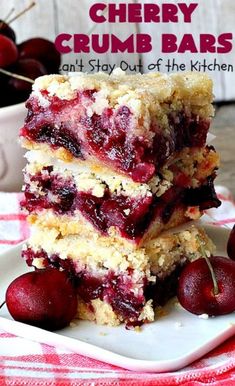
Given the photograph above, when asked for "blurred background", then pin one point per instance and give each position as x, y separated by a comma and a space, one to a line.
49, 18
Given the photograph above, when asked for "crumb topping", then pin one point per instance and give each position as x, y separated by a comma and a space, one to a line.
150, 97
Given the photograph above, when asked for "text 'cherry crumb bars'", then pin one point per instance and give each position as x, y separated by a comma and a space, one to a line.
115, 163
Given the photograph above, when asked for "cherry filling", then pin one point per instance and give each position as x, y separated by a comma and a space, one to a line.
164, 289
112, 288
205, 196
65, 123
58, 193
131, 216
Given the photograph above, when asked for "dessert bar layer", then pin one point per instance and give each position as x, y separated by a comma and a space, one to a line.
114, 283
77, 200
130, 123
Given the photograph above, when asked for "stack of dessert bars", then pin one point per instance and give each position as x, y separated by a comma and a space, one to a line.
114, 163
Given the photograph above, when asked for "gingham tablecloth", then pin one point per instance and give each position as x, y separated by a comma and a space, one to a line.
23, 362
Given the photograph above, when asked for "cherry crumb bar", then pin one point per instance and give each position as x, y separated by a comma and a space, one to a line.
75, 199
115, 283
132, 124
115, 163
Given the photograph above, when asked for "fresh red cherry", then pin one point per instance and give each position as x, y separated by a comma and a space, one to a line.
8, 51
231, 244
42, 50
196, 292
30, 68
6, 30
43, 298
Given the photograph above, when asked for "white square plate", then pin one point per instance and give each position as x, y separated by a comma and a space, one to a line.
172, 342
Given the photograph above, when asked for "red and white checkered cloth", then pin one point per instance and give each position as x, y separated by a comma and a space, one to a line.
25, 363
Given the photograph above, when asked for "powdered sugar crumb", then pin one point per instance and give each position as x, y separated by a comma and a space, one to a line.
203, 316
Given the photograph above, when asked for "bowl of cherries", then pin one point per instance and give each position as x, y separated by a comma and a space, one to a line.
20, 65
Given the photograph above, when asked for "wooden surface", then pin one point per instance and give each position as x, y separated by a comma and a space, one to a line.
224, 129
49, 18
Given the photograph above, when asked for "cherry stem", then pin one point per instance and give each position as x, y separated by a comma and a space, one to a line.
215, 284
17, 76
2, 305
8, 15
31, 5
